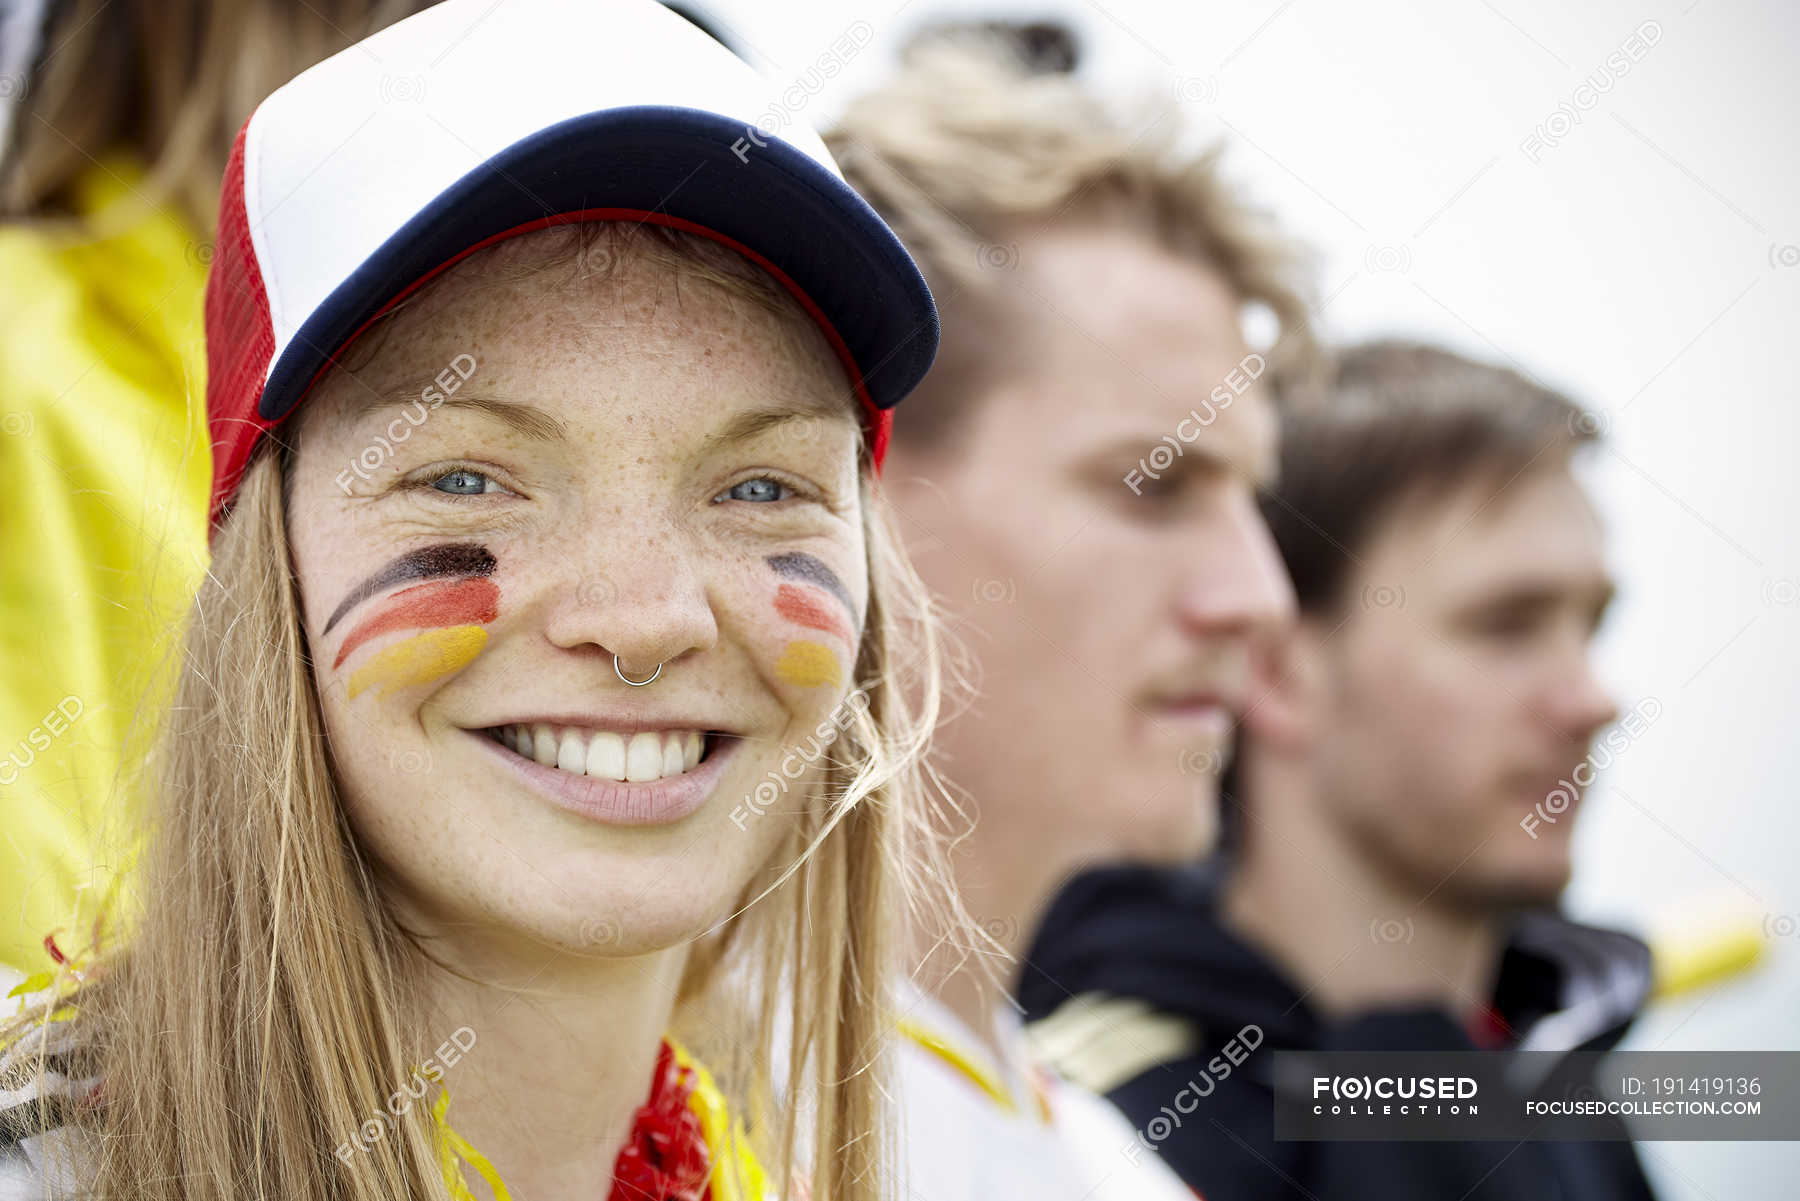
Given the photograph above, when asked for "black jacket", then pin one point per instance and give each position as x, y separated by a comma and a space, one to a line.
1134, 954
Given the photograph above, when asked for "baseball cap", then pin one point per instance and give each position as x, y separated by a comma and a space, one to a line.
472, 121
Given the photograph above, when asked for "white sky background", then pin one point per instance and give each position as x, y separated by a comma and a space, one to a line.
1649, 263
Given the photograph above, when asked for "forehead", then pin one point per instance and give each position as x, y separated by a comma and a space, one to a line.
1117, 337
1537, 529
541, 319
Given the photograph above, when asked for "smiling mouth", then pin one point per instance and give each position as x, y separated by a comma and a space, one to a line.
638, 757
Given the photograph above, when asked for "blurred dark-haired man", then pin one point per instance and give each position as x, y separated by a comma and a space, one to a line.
1400, 810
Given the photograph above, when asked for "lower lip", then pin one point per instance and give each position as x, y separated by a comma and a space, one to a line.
1207, 721
621, 803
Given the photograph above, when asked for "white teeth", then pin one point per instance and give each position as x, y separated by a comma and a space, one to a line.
571, 752
643, 757
606, 754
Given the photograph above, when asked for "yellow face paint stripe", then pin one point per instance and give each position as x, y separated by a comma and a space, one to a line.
808, 664
420, 659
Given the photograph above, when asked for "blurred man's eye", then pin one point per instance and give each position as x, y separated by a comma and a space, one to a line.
1509, 620
1183, 488
1162, 491
1508, 625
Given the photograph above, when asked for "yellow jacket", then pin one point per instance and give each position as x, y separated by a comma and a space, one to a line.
106, 463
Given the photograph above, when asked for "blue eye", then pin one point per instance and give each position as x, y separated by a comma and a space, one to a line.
760, 489
463, 482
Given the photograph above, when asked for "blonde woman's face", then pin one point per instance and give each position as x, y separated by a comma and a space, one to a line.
531, 477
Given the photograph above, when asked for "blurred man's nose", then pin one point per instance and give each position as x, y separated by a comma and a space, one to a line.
1236, 582
1580, 703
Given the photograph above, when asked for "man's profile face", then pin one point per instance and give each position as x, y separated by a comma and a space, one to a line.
1457, 695
1108, 612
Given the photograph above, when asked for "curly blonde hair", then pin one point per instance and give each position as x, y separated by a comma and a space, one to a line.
972, 142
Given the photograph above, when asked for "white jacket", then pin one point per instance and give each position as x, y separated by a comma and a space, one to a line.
975, 1130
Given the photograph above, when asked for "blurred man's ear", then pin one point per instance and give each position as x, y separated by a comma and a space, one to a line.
1285, 689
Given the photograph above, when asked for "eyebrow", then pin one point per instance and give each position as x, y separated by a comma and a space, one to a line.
1195, 456
527, 419
1596, 596
805, 407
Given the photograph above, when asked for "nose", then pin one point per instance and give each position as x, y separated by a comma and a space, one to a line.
1580, 704
637, 590
1236, 583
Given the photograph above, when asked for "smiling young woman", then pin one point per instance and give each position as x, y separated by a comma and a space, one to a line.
548, 734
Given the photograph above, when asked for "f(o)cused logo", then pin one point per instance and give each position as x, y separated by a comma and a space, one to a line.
997, 256
1391, 930
599, 932
993, 591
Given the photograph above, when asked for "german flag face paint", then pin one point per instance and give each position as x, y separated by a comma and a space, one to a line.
819, 601
448, 609
806, 663
805, 607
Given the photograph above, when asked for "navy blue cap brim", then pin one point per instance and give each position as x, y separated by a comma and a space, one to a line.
688, 164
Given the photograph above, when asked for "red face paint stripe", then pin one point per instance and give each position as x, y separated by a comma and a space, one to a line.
472, 601
803, 608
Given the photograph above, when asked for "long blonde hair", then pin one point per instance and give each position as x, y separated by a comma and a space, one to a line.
265, 1000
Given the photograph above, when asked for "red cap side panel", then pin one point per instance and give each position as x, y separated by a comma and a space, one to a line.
240, 337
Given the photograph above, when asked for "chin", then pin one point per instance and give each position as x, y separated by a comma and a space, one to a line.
1532, 886
1173, 838
1547, 889
615, 904
618, 930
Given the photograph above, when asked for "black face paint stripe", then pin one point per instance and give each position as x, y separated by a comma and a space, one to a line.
428, 562
801, 566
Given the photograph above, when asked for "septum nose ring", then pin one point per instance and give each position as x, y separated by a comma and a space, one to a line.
629, 680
